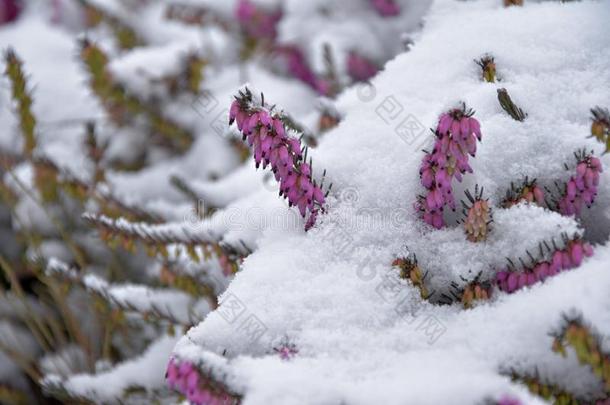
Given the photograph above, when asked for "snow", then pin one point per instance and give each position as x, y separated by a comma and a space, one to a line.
359, 343
363, 334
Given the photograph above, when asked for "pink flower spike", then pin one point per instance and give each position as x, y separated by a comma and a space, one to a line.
271, 146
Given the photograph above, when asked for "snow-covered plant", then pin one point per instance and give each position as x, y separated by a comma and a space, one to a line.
144, 259
123, 107
575, 333
96, 13
587, 345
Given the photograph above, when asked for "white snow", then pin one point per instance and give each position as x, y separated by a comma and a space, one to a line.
335, 305
363, 335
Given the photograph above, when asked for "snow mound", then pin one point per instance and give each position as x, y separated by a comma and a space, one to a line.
332, 291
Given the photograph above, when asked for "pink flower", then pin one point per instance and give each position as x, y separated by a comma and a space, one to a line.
273, 147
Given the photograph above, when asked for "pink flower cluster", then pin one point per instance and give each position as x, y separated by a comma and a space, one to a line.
568, 258
271, 145
184, 377
9, 11
477, 221
386, 8
299, 68
581, 189
286, 351
457, 133
359, 68
256, 22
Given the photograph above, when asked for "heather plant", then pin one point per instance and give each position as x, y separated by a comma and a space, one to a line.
145, 259
272, 146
